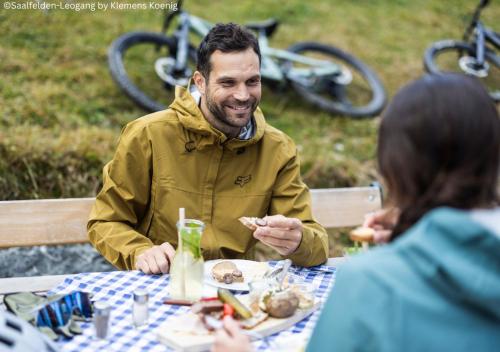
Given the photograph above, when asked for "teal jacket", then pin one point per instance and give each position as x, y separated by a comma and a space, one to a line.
436, 288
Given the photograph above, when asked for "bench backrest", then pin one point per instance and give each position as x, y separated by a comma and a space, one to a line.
63, 221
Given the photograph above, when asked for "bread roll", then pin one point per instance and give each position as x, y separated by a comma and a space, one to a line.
362, 234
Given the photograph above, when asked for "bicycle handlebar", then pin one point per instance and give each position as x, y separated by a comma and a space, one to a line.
475, 18
170, 17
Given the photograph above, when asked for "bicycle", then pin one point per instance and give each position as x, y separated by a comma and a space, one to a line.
326, 76
471, 56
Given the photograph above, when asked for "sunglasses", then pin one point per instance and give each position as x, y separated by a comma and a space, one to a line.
58, 313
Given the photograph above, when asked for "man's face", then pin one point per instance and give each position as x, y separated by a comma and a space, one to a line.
233, 89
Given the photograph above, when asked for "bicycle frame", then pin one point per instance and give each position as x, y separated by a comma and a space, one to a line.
271, 57
481, 34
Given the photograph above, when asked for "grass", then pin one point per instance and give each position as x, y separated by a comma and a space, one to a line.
54, 63
55, 83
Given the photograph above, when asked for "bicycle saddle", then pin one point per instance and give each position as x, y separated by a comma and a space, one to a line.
269, 26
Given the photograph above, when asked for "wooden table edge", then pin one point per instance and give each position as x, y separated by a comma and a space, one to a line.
30, 283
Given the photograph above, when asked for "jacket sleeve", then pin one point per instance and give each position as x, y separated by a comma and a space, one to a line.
122, 203
291, 198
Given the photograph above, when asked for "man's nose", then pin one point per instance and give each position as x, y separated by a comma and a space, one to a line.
241, 93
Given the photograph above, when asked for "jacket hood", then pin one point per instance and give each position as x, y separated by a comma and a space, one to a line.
192, 119
458, 255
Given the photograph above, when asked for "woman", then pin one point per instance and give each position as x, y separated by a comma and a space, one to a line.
436, 287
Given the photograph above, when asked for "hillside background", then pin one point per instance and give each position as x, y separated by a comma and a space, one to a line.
61, 113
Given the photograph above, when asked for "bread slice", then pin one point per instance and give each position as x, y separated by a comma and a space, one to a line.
227, 272
362, 234
249, 222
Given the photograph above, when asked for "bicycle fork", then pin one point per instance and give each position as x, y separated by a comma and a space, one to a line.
476, 66
173, 70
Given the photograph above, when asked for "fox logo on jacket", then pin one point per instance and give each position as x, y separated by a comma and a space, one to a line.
242, 180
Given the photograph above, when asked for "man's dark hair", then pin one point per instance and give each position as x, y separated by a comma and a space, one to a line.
227, 38
439, 145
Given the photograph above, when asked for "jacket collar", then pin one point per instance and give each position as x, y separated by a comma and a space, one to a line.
192, 119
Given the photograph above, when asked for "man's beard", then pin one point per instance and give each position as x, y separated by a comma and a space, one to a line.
218, 110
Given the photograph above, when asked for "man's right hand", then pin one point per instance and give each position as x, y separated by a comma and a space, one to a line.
156, 260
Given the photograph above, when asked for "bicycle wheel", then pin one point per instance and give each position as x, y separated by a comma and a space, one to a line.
456, 56
141, 63
362, 96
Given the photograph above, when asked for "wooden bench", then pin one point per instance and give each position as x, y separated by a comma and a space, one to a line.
63, 221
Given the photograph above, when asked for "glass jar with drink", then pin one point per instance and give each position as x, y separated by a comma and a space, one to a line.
186, 272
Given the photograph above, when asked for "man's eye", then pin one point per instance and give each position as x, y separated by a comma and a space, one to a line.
254, 82
227, 84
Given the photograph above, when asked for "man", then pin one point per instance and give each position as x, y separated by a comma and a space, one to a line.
215, 157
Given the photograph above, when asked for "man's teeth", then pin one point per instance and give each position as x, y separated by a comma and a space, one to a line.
239, 107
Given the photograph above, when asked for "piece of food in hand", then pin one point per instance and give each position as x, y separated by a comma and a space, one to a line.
362, 234
227, 272
281, 304
252, 223
239, 308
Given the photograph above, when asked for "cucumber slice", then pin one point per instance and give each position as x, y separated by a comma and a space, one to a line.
227, 297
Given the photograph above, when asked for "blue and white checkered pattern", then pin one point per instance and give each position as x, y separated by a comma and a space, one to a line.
116, 288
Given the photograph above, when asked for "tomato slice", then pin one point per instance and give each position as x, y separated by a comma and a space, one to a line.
228, 310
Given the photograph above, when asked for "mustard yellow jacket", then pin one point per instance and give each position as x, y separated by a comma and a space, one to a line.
175, 158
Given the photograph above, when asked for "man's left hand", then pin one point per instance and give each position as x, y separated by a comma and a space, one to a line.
281, 233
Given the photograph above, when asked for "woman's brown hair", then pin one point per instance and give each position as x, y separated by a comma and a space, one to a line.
439, 145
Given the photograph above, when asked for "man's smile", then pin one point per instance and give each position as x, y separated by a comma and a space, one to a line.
240, 108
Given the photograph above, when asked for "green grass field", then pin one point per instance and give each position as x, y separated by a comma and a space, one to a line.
60, 112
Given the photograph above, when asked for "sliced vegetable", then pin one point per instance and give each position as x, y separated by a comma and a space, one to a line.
227, 297
228, 310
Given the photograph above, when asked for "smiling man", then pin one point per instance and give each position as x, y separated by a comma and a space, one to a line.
213, 154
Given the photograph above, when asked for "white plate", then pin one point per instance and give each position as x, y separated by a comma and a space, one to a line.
251, 270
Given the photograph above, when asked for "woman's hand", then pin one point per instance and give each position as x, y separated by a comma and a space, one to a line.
230, 338
383, 222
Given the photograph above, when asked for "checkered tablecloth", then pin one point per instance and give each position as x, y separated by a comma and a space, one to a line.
117, 287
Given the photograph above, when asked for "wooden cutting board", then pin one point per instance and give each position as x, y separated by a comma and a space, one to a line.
188, 341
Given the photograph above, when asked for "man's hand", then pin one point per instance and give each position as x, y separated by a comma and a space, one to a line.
156, 260
383, 222
281, 233
231, 339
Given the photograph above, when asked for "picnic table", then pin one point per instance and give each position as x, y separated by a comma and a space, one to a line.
63, 221
117, 287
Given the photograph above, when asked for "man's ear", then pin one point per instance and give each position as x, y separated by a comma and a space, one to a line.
200, 82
